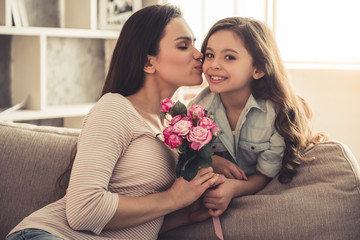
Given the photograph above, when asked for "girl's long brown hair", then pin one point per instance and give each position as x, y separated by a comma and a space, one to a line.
293, 114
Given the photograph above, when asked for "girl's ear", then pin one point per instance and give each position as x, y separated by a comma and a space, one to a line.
149, 65
258, 74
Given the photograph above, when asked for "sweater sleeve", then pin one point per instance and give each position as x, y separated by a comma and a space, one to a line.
103, 140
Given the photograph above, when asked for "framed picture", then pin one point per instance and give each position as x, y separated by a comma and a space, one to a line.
113, 13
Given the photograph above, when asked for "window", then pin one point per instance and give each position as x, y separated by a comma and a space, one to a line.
307, 31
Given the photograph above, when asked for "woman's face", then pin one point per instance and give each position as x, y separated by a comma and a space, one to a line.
178, 61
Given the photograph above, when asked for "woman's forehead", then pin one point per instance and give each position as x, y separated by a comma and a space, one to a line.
178, 28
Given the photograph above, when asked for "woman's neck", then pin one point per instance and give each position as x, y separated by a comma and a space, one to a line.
149, 97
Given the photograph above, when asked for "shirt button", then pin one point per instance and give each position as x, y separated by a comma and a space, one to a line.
252, 147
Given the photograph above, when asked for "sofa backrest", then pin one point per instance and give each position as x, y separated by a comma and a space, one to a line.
31, 160
322, 202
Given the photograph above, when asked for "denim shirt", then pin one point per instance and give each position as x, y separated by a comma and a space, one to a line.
255, 144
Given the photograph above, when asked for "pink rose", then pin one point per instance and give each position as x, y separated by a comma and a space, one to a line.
166, 105
167, 131
214, 129
175, 119
182, 127
173, 140
207, 123
196, 111
199, 136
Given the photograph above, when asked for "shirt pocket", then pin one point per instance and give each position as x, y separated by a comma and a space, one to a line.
249, 151
217, 146
254, 147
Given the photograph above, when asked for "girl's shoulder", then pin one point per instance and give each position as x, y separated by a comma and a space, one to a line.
204, 98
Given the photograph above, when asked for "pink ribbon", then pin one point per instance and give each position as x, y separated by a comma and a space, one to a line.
217, 226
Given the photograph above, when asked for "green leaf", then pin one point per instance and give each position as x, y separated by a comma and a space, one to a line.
206, 151
205, 162
184, 148
180, 165
163, 115
190, 169
179, 109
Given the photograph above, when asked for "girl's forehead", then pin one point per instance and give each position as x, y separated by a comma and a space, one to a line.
225, 37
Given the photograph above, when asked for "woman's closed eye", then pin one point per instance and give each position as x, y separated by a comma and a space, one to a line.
183, 46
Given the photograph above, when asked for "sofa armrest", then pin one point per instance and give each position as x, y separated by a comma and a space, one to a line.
31, 159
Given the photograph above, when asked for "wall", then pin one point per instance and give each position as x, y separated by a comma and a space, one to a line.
334, 95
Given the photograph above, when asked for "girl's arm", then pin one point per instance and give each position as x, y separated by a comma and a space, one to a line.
218, 199
132, 211
227, 168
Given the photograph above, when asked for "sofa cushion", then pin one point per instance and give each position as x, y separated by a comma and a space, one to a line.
322, 202
31, 160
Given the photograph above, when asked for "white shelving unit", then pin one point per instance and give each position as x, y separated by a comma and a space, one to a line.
30, 52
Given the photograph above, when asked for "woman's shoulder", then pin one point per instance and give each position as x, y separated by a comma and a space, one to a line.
112, 107
114, 101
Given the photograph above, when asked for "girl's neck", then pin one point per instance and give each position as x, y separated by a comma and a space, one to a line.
235, 101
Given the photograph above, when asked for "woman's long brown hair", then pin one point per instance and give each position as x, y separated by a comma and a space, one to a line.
139, 37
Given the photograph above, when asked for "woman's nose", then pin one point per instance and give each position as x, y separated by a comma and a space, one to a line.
198, 55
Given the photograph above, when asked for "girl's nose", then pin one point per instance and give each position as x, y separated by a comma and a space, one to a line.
215, 64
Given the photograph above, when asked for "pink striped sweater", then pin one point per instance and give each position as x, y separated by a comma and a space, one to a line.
117, 154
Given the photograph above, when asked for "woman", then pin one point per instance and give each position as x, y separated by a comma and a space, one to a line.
122, 181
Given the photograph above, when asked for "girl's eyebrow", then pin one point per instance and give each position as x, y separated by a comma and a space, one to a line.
224, 50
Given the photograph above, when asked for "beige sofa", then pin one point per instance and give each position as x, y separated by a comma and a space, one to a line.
322, 202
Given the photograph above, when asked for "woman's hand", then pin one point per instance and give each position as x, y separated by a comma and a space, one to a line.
227, 168
183, 193
198, 211
188, 194
217, 200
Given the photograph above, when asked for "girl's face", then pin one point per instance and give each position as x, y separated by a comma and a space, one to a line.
178, 61
228, 67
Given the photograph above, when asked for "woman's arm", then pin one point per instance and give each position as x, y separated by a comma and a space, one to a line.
132, 211
218, 199
195, 212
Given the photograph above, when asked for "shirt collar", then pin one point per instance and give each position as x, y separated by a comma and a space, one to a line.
251, 103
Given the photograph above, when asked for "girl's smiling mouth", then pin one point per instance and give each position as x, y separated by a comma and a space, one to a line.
215, 78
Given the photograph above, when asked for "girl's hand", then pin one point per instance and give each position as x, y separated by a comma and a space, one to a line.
183, 193
218, 199
230, 170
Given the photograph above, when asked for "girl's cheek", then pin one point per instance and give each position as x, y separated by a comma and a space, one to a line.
205, 66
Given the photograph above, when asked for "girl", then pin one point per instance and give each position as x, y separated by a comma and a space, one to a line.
264, 125
123, 178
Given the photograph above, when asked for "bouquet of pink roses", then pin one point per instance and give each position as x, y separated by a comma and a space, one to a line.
190, 132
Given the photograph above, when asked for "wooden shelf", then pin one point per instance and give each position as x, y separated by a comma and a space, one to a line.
58, 32
64, 111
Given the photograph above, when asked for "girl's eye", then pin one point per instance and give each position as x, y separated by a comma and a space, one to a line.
209, 55
229, 57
